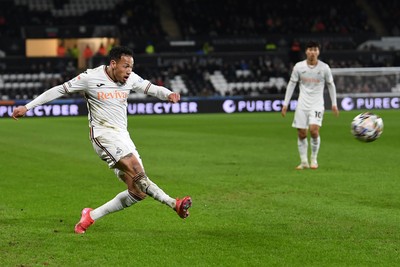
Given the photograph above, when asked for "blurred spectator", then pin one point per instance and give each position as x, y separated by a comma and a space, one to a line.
61, 51
295, 51
207, 48
270, 46
87, 55
149, 48
102, 50
73, 51
319, 26
110, 46
159, 81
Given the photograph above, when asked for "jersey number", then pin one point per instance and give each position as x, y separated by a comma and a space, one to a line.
318, 114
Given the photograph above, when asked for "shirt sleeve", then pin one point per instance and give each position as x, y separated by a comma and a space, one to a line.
146, 87
77, 84
158, 91
294, 78
331, 86
47, 96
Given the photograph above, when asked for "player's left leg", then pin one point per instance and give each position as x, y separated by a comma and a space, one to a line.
137, 181
302, 145
315, 122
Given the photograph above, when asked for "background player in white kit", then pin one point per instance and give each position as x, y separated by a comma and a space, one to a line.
106, 89
312, 75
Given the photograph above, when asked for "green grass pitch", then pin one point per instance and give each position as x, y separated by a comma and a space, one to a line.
250, 207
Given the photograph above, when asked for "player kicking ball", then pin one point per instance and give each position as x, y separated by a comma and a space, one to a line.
106, 89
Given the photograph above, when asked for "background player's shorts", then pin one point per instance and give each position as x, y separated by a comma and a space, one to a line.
303, 118
111, 146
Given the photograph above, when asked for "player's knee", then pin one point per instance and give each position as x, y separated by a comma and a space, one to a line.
302, 135
129, 164
138, 195
137, 185
141, 181
314, 133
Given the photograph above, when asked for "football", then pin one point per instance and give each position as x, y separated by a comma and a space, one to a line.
367, 127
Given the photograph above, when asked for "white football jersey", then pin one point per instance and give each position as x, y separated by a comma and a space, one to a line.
311, 82
107, 100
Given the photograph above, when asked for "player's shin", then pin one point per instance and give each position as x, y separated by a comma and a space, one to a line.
303, 149
119, 202
151, 189
315, 144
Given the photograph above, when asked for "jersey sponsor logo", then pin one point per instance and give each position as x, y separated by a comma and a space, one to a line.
112, 95
310, 80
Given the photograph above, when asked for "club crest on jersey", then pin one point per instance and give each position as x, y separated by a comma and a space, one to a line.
112, 95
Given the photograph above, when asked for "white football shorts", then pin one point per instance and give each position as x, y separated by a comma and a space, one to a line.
304, 118
111, 146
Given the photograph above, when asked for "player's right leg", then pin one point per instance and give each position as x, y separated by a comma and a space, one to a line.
110, 148
121, 201
85, 222
302, 145
300, 122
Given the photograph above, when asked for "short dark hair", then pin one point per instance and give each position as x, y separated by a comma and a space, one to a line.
118, 51
311, 44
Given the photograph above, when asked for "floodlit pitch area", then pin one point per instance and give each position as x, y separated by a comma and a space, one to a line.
250, 206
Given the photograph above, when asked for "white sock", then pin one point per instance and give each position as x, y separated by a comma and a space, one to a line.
119, 202
315, 143
158, 194
303, 149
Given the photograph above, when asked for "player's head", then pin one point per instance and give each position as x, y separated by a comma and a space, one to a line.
121, 63
118, 51
313, 44
312, 51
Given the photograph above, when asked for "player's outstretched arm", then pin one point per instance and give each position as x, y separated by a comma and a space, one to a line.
47, 96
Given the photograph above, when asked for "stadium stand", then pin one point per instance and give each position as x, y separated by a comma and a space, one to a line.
250, 50
257, 18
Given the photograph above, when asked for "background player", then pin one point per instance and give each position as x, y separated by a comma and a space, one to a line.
312, 74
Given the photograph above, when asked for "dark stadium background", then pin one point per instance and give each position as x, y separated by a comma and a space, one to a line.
206, 50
